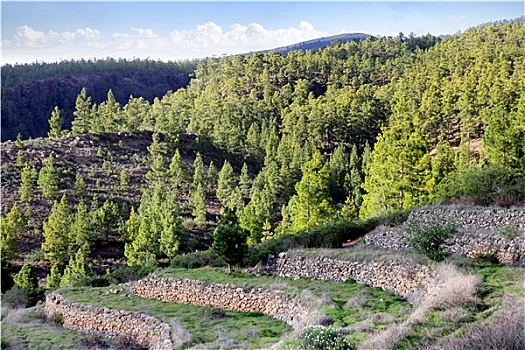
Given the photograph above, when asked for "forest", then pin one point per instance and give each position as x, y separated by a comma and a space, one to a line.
31, 91
287, 143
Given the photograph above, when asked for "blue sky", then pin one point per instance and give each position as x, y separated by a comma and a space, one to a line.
52, 31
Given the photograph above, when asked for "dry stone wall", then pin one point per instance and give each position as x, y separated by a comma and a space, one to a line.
142, 329
475, 219
476, 235
403, 278
274, 303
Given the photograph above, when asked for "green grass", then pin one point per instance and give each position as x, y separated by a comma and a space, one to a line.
212, 329
31, 333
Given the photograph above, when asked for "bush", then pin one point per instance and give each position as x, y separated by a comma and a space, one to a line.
327, 236
197, 259
324, 338
429, 237
124, 274
18, 297
490, 185
99, 281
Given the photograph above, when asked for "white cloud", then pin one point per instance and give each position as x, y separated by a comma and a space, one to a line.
205, 39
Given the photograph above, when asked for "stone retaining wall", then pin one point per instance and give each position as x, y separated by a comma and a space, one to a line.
142, 329
475, 219
401, 278
468, 242
223, 296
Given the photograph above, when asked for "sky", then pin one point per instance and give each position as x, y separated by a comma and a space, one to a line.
36, 31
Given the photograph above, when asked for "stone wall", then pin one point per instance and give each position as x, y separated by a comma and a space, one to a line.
140, 328
224, 296
475, 219
403, 278
477, 233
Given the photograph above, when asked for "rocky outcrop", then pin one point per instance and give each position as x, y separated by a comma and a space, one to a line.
401, 277
137, 327
224, 296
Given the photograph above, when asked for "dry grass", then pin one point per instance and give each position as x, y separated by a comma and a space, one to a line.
504, 331
451, 288
179, 334
21, 315
455, 314
362, 253
448, 289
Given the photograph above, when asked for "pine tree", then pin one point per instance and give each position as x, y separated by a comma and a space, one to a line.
198, 206
353, 182
54, 277
78, 267
20, 159
11, 228
83, 120
132, 225
245, 182
26, 278
80, 232
55, 124
80, 186
199, 175
170, 235
229, 239
227, 184
176, 171
124, 179
212, 177
18, 141
56, 232
399, 173
27, 178
313, 205
138, 252
48, 178
337, 166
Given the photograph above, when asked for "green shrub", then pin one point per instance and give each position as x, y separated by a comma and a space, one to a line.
57, 319
327, 236
493, 184
16, 297
428, 238
324, 338
124, 274
197, 259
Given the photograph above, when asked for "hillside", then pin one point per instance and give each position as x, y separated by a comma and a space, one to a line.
318, 43
266, 154
31, 91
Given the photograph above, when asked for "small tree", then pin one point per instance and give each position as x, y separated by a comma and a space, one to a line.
26, 278
198, 205
80, 231
55, 123
80, 186
48, 178
429, 237
55, 276
227, 184
229, 239
27, 190
77, 268
11, 228
56, 232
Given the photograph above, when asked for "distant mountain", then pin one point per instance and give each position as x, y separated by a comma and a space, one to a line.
319, 43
